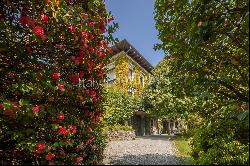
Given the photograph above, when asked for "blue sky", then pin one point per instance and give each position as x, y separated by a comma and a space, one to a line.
137, 25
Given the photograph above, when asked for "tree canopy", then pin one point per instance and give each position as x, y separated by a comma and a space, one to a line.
207, 45
205, 73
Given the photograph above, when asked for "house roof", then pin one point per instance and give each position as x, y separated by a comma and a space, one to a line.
125, 46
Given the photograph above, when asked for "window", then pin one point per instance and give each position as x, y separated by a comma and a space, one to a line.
131, 91
130, 74
152, 123
130, 71
142, 79
111, 73
111, 66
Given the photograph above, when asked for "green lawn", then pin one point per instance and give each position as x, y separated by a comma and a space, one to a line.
184, 151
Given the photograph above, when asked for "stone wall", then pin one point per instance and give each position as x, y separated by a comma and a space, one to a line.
120, 135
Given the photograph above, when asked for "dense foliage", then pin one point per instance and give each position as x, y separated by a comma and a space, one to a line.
119, 106
52, 55
206, 73
158, 99
223, 141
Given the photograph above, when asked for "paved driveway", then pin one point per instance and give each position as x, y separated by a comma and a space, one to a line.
147, 150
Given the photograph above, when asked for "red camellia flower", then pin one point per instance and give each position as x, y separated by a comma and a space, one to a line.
44, 18
100, 74
84, 34
61, 87
81, 74
74, 78
90, 36
91, 49
40, 147
50, 156
77, 60
72, 29
60, 116
79, 160
56, 76
110, 50
39, 32
90, 65
81, 54
63, 131
92, 94
91, 24
85, 42
62, 153
101, 54
36, 109
102, 28
24, 20
72, 128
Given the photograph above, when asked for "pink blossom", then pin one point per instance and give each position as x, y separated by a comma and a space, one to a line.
91, 49
90, 36
44, 18
72, 128
39, 32
61, 87
91, 24
60, 116
63, 131
84, 34
72, 29
50, 156
79, 159
56, 76
36, 109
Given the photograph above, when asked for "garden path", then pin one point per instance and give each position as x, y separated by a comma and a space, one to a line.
147, 150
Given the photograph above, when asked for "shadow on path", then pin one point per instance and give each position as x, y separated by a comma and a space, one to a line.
157, 137
146, 159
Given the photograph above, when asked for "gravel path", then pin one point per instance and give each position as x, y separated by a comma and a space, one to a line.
147, 150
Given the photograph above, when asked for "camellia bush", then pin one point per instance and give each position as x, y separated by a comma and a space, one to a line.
53, 55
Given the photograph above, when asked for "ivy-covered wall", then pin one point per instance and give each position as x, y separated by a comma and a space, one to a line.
121, 61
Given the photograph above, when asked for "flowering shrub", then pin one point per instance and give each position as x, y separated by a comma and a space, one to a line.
49, 46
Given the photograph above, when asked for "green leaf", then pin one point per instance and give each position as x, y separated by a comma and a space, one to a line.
7, 105
56, 144
243, 114
55, 126
70, 144
23, 102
